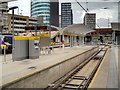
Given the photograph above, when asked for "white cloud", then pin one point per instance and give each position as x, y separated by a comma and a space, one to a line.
23, 5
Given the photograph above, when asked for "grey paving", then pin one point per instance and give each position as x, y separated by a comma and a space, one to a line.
113, 71
107, 74
14, 70
119, 65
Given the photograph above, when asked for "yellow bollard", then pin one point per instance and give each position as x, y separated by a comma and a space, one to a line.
4, 47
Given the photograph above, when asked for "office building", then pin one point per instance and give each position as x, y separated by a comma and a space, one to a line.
90, 20
48, 9
40, 8
54, 12
20, 22
3, 17
66, 14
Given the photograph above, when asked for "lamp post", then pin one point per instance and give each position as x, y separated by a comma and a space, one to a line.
12, 8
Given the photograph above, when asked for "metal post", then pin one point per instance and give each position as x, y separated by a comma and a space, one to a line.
113, 37
60, 40
1, 20
70, 41
4, 55
63, 41
73, 40
83, 40
35, 30
79, 40
50, 38
13, 45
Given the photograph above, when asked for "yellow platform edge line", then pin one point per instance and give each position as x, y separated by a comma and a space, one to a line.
89, 87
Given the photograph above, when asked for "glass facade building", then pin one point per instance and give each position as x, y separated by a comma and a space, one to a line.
66, 14
41, 8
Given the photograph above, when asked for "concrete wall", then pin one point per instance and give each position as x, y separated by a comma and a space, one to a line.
41, 79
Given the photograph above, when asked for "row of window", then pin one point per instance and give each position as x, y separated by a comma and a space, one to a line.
19, 27
67, 17
66, 14
39, 3
68, 9
40, 9
3, 3
66, 4
18, 23
21, 19
40, 13
38, 6
32, 20
67, 21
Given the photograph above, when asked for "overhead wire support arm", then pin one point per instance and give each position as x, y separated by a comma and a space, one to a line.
84, 9
81, 6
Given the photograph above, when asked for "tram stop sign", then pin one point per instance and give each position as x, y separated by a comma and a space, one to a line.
38, 28
41, 27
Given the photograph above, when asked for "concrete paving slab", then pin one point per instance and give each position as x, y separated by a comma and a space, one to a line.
113, 69
14, 70
107, 74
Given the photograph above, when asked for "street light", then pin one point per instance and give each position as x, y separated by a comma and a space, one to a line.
12, 8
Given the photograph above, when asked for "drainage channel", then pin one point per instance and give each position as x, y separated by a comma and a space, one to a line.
80, 77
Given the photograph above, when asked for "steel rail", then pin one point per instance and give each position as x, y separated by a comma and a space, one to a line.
64, 81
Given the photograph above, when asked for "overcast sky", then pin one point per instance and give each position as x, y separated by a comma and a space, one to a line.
95, 6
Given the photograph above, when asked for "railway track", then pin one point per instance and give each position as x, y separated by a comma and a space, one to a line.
80, 77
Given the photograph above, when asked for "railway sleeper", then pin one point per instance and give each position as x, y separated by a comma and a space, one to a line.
82, 80
80, 77
73, 86
97, 58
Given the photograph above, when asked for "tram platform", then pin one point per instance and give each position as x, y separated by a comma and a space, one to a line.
107, 74
18, 70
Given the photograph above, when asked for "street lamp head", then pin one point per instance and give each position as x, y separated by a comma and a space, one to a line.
12, 8
105, 8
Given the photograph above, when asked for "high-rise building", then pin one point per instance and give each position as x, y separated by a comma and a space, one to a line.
41, 8
90, 20
48, 9
54, 12
66, 14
